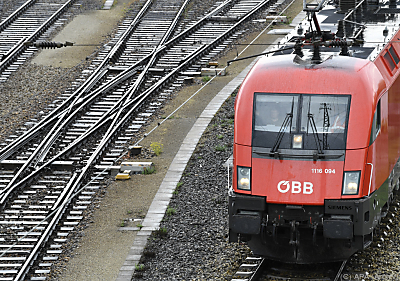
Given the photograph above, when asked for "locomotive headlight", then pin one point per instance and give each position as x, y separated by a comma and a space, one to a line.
297, 141
243, 177
351, 181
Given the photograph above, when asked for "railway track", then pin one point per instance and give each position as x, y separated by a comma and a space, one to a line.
260, 269
52, 168
33, 21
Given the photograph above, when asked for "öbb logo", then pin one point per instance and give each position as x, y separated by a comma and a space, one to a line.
296, 186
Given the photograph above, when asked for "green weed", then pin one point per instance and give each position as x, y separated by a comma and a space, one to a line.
220, 148
149, 171
206, 79
157, 147
161, 232
170, 211
139, 267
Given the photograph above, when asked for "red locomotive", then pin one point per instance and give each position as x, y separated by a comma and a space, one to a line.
317, 142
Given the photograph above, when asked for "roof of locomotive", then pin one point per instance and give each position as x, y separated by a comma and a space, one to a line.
334, 75
367, 29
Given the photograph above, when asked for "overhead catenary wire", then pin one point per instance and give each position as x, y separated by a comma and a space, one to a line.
212, 78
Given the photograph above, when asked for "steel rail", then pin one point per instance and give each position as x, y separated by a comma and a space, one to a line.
11, 56
84, 88
44, 237
120, 45
41, 151
156, 52
134, 104
10, 188
54, 133
5, 23
53, 138
129, 94
257, 273
114, 127
65, 120
340, 270
178, 38
204, 49
87, 86
55, 115
260, 271
195, 26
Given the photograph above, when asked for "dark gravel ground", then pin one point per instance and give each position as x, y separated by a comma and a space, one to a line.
192, 243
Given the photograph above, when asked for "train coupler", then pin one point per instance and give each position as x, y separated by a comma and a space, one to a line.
314, 226
293, 233
274, 227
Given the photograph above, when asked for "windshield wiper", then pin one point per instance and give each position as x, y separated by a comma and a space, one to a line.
326, 125
311, 121
305, 154
285, 124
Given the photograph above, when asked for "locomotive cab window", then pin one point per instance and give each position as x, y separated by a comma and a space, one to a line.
376, 123
298, 121
391, 59
271, 112
389, 62
394, 55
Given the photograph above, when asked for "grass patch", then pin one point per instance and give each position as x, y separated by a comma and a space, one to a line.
162, 232
139, 267
170, 211
220, 137
220, 148
178, 185
206, 78
149, 171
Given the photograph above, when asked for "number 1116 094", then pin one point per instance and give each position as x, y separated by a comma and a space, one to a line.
323, 171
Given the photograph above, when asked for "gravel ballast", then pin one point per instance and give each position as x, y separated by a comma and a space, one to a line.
192, 242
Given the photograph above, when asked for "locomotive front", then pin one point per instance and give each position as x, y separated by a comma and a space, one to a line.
303, 189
